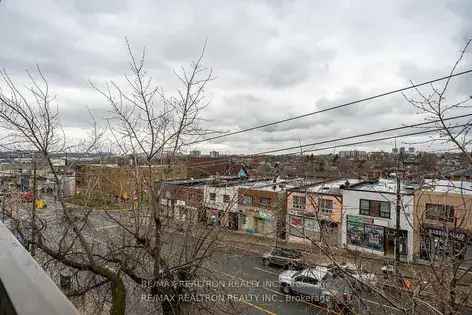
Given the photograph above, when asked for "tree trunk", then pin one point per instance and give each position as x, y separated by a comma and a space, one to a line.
118, 297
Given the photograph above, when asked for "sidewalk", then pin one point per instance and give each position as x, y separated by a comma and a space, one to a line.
258, 245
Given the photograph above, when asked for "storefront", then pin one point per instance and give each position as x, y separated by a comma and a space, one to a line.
362, 232
303, 225
437, 243
256, 221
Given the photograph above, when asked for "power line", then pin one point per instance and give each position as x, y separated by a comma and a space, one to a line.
413, 86
379, 139
235, 160
364, 134
338, 139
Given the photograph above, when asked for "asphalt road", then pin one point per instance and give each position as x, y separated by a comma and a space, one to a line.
240, 271
258, 286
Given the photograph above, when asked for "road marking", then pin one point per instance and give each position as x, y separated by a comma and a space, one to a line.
274, 291
277, 292
266, 271
260, 308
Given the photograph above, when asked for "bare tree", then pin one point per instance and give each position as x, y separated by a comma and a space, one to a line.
150, 126
31, 121
435, 104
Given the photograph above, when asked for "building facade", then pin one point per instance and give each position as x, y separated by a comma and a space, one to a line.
369, 218
221, 203
314, 206
183, 200
443, 220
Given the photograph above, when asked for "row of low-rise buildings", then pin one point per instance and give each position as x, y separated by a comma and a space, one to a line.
435, 216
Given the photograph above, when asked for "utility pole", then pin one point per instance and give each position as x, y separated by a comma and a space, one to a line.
33, 212
397, 216
397, 213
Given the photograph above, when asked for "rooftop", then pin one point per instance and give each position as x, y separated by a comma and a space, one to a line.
384, 185
279, 185
332, 186
448, 186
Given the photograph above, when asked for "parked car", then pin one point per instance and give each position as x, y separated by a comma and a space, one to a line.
27, 196
283, 257
318, 284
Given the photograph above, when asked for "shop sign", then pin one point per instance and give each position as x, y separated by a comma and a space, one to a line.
263, 215
358, 219
460, 236
297, 221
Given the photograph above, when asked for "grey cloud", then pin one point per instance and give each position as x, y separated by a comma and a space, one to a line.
272, 59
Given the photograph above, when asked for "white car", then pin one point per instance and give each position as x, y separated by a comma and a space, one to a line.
317, 283
348, 270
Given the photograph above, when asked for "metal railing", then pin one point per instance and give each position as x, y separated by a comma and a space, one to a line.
25, 288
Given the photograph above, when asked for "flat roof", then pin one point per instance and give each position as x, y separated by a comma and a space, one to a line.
447, 186
384, 185
331, 186
280, 184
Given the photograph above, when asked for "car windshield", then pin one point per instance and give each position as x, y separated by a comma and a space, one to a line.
296, 274
289, 253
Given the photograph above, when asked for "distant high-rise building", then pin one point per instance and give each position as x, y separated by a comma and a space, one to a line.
195, 153
353, 154
402, 150
411, 150
214, 154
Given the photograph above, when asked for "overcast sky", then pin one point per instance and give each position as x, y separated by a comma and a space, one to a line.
272, 59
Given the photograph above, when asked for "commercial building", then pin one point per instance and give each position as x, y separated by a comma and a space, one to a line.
369, 218
221, 201
183, 200
443, 220
122, 180
315, 205
263, 207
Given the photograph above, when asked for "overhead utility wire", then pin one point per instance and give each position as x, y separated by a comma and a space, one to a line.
379, 139
363, 134
226, 161
336, 140
413, 86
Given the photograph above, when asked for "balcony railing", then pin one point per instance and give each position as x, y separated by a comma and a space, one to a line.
25, 288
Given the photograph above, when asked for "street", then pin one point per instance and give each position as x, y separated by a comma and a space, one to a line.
241, 275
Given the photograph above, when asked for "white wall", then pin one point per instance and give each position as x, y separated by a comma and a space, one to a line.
231, 191
351, 199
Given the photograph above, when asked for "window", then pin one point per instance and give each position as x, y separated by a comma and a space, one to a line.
439, 212
246, 200
264, 202
242, 219
212, 196
307, 280
385, 209
364, 207
374, 208
226, 199
326, 205
298, 202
